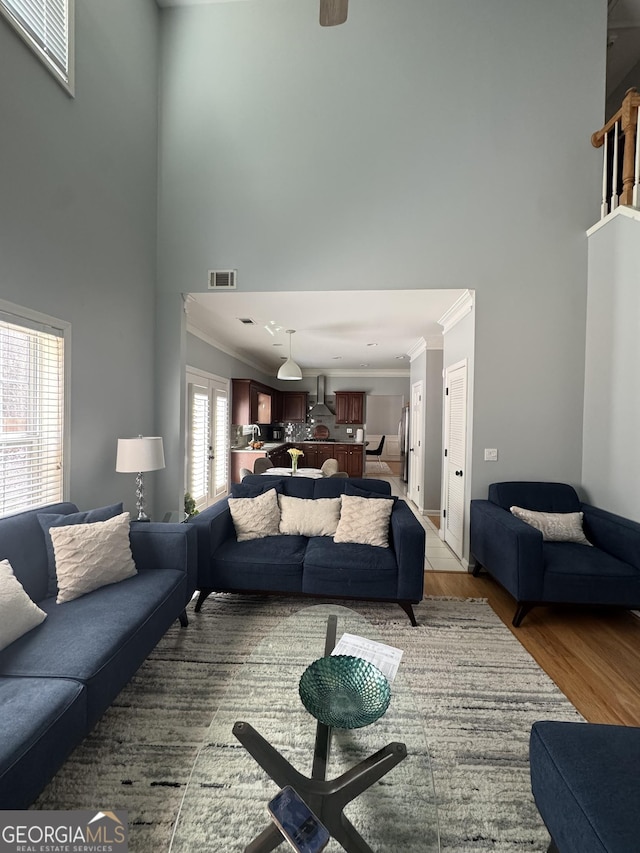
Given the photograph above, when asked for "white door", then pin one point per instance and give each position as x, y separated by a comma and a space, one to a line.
207, 438
416, 432
455, 438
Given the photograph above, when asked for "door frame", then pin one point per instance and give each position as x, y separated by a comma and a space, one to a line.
415, 484
463, 363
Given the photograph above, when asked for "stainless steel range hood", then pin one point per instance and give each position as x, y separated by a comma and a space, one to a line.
320, 409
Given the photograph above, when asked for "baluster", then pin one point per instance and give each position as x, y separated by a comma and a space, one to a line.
636, 182
614, 176
604, 207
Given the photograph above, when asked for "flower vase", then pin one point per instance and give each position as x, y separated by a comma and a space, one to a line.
294, 465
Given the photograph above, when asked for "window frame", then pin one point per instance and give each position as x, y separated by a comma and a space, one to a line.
27, 317
66, 81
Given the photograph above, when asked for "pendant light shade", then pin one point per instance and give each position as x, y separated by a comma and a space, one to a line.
290, 370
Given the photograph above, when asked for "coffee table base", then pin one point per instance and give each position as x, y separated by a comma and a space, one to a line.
326, 798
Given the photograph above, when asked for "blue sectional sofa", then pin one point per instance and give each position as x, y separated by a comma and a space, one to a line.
586, 784
57, 679
315, 566
537, 571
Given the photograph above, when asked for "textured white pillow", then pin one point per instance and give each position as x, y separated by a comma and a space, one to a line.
554, 526
255, 518
364, 521
305, 517
89, 556
18, 614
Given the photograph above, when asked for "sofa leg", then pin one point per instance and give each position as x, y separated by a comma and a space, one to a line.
408, 609
183, 619
204, 594
521, 611
477, 568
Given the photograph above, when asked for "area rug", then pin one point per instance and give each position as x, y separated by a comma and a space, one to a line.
376, 467
478, 690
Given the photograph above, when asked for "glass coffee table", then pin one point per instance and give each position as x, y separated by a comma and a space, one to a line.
224, 807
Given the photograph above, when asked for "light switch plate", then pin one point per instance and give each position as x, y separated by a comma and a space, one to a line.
490, 454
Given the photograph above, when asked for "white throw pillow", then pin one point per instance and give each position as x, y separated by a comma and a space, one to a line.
18, 614
255, 518
89, 556
364, 521
306, 517
554, 526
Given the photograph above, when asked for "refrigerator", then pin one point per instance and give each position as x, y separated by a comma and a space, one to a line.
403, 442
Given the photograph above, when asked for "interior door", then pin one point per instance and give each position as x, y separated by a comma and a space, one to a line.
455, 413
207, 438
415, 487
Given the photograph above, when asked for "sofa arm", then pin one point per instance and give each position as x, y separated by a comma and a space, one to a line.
613, 534
155, 545
213, 527
408, 542
508, 548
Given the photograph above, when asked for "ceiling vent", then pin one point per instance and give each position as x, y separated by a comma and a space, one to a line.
247, 321
222, 279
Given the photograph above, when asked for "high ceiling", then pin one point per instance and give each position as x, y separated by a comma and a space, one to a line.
355, 331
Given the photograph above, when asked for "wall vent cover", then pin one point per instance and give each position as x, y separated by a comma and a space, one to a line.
222, 279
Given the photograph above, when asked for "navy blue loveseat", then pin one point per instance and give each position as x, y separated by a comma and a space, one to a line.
585, 781
57, 680
535, 571
315, 566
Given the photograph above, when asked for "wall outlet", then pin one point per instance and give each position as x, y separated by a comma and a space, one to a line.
490, 454
349, 431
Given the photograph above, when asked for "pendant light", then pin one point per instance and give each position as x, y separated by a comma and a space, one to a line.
290, 370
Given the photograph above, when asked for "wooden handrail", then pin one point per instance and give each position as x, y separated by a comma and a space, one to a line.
627, 115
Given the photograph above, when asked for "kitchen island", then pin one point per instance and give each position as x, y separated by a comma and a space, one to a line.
349, 455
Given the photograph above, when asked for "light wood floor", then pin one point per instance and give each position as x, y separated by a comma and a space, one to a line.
592, 654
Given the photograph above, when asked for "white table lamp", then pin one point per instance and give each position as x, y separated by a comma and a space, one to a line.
137, 455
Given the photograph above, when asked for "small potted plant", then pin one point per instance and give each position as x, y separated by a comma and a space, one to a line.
189, 506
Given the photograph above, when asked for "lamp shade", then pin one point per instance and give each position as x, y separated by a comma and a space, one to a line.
290, 370
144, 453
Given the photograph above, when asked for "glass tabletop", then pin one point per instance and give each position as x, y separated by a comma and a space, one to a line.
225, 802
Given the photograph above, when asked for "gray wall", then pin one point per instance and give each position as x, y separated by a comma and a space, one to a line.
449, 170
78, 224
611, 453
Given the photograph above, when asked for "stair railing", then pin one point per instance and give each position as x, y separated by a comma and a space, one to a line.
621, 161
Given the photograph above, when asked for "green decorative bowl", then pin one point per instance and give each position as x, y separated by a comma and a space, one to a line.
344, 692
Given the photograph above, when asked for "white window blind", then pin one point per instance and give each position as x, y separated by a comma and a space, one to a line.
221, 441
31, 415
198, 472
47, 27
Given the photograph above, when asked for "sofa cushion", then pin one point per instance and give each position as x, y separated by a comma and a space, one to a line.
573, 573
554, 526
255, 518
364, 521
119, 625
305, 517
274, 564
18, 614
349, 569
33, 745
89, 556
331, 487
48, 520
351, 489
539, 496
252, 490
22, 543
586, 784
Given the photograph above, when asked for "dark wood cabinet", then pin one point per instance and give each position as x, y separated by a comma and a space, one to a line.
251, 402
350, 459
294, 407
349, 407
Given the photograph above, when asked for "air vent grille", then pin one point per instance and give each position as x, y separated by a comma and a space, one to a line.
247, 321
222, 279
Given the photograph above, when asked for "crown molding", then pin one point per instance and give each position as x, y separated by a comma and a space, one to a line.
417, 349
458, 311
370, 372
208, 339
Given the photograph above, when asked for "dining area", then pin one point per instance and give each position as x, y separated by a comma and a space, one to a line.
264, 465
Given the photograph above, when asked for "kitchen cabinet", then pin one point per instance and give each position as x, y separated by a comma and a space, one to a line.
310, 458
350, 459
349, 407
251, 402
294, 407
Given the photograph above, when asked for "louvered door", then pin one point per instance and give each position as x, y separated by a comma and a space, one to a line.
456, 451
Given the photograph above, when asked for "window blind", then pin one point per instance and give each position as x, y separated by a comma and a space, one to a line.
198, 455
46, 27
31, 415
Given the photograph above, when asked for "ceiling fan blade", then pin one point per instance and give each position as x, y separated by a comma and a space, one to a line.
333, 12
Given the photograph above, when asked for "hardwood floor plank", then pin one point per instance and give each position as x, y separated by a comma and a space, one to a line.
592, 654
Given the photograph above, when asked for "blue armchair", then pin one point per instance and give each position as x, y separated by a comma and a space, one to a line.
536, 571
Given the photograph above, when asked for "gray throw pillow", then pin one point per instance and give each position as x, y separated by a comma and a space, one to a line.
554, 526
